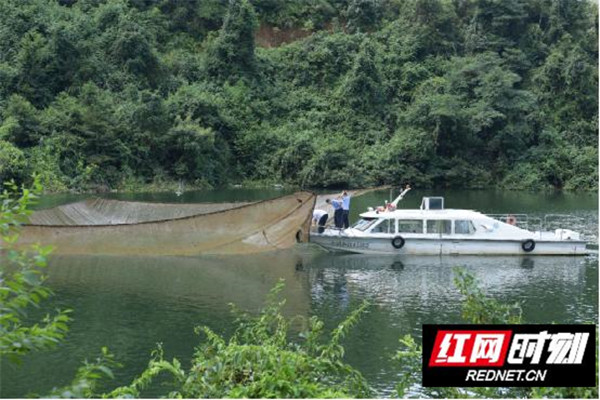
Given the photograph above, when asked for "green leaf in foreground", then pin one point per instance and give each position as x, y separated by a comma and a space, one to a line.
259, 361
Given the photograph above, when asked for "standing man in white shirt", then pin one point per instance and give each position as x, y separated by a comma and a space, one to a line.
345, 209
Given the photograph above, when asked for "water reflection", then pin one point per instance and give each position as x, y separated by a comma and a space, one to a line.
420, 289
398, 281
209, 281
408, 291
130, 303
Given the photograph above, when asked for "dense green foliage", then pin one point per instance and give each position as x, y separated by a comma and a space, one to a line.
477, 308
105, 93
22, 282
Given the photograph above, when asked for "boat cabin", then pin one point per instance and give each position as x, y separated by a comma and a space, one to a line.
403, 225
431, 218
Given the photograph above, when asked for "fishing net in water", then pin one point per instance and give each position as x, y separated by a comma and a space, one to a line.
113, 212
115, 227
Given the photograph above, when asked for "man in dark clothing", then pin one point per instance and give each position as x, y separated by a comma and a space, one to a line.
320, 218
338, 213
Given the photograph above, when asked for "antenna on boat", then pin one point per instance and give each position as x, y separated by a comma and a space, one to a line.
401, 195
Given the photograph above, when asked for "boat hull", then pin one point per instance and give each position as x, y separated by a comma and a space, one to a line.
443, 246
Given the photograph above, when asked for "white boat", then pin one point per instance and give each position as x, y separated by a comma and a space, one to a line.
434, 229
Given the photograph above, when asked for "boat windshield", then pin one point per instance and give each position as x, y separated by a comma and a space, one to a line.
364, 223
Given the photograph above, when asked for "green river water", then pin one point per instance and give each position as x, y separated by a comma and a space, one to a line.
130, 303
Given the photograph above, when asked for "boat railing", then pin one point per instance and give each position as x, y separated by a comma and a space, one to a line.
548, 222
522, 221
575, 223
556, 221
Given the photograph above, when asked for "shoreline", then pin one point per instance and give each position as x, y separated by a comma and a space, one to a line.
173, 186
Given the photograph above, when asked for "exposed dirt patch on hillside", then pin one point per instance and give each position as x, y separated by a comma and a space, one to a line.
270, 36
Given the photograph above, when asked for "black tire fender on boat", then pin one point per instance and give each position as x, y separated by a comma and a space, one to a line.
528, 245
398, 242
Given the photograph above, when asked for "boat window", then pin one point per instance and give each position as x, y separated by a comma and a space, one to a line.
364, 223
439, 226
385, 226
464, 227
410, 226
432, 203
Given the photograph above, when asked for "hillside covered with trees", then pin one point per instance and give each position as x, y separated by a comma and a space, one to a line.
317, 93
